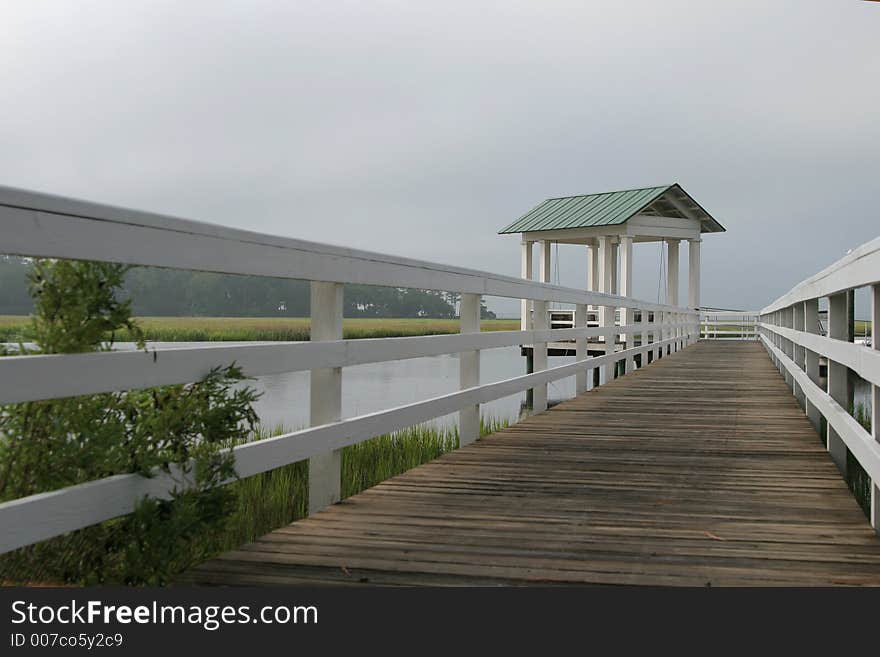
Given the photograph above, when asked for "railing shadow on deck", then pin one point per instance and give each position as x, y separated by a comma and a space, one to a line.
41, 225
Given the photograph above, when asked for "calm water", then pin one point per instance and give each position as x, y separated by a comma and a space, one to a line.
380, 386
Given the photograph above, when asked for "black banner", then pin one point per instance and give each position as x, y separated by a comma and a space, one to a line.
225, 620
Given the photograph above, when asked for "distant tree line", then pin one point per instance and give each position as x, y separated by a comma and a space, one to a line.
178, 293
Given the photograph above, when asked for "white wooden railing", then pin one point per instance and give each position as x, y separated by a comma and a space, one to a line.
789, 329
49, 226
728, 325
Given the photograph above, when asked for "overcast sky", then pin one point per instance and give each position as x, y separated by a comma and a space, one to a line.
421, 128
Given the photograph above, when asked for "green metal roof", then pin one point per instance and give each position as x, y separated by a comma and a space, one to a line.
612, 208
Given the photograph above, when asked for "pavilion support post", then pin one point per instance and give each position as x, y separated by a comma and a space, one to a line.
615, 284
469, 369
811, 358
525, 311
325, 396
875, 403
580, 321
539, 358
592, 267
671, 278
626, 314
545, 260
694, 273
838, 378
606, 313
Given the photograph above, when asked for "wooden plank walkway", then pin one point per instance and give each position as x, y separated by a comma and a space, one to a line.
700, 469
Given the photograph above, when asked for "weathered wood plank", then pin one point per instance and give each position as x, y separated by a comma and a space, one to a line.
699, 470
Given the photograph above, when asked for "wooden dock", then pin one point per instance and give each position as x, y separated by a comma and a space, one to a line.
698, 470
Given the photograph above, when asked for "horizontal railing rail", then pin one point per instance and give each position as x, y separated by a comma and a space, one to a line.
729, 325
39, 225
55, 376
790, 330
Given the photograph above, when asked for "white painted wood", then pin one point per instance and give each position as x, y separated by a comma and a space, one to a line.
660, 334
545, 260
54, 227
694, 273
39, 225
325, 395
38, 517
875, 402
800, 358
645, 338
811, 356
30, 378
539, 358
580, 319
592, 267
606, 312
859, 268
838, 381
649, 232
525, 318
863, 360
862, 445
646, 221
469, 370
614, 264
626, 276
723, 323
672, 261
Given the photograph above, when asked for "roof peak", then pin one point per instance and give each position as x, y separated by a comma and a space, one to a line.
613, 191
612, 208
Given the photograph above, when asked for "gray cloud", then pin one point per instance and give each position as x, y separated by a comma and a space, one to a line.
422, 128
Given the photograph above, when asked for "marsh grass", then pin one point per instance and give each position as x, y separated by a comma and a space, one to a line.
273, 499
857, 479
276, 498
14, 328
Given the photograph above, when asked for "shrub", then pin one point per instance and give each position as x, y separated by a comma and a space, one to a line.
47, 445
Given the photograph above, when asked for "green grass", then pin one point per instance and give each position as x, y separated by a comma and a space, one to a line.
856, 478
277, 498
269, 500
212, 329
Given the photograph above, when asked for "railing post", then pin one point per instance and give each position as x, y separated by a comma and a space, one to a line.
630, 339
659, 332
539, 357
325, 395
799, 355
679, 331
811, 358
643, 336
526, 272
606, 319
838, 377
469, 369
789, 346
875, 403
580, 321
627, 316
606, 313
